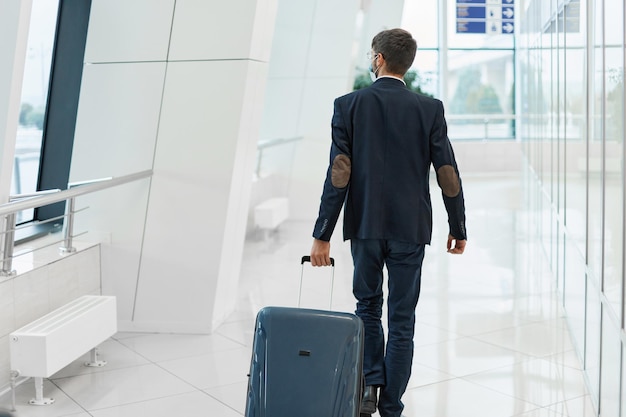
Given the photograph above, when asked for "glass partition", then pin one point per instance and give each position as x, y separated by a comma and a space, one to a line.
426, 68
596, 146
610, 371
614, 153
576, 148
481, 95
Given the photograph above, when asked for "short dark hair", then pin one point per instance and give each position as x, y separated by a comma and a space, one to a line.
398, 49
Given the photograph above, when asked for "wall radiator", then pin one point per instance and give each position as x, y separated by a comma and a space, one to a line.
53, 341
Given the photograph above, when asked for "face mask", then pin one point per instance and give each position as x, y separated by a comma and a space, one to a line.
373, 73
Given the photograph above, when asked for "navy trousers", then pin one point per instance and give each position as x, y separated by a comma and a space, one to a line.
387, 366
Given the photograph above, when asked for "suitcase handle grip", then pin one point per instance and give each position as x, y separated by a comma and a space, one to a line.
307, 258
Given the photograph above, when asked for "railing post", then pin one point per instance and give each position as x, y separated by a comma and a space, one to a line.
7, 246
69, 228
486, 121
259, 159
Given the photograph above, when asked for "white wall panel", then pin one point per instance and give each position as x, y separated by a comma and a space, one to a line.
116, 134
190, 193
263, 30
129, 31
241, 184
282, 108
77, 275
181, 254
202, 107
212, 30
331, 47
115, 218
120, 269
117, 119
7, 307
31, 296
5, 359
292, 37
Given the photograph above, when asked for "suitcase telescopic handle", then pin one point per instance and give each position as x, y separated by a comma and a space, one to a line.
307, 258
332, 279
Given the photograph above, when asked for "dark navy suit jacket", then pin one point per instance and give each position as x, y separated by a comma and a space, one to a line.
389, 136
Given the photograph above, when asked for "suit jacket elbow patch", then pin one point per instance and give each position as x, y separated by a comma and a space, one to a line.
448, 181
341, 170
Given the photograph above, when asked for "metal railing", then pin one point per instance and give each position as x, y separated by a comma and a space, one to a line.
491, 126
270, 143
18, 203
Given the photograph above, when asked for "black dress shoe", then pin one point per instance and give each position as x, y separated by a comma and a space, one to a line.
368, 403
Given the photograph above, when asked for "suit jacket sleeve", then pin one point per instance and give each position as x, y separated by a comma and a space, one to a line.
337, 176
448, 178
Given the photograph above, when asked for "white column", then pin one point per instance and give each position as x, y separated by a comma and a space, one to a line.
204, 161
176, 86
14, 21
116, 132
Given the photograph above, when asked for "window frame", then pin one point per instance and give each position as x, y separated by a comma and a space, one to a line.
60, 114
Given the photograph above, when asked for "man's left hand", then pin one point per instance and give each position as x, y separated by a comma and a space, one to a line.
456, 246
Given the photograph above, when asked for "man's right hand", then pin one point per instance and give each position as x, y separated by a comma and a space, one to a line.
320, 253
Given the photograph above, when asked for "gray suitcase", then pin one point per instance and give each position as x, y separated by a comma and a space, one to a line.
305, 363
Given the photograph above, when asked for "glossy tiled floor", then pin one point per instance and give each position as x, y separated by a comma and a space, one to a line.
491, 340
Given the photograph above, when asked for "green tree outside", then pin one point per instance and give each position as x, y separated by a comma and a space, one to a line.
473, 97
31, 117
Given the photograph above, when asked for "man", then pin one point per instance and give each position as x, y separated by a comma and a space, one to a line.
384, 140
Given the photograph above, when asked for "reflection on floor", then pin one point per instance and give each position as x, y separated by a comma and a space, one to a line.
490, 339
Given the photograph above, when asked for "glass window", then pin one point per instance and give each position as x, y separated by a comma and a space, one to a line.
574, 299
426, 69
614, 151
623, 379
34, 99
481, 94
578, 156
56, 52
592, 339
576, 140
480, 71
610, 370
596, 134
